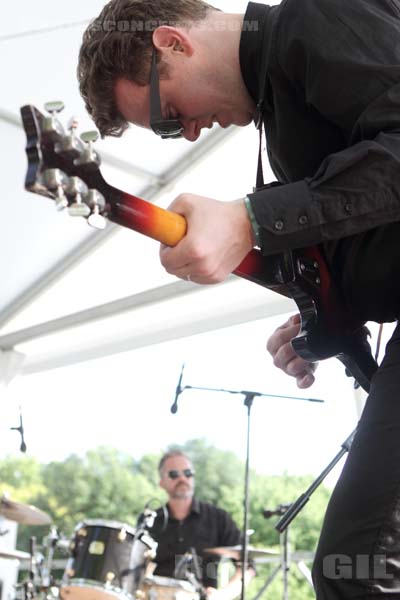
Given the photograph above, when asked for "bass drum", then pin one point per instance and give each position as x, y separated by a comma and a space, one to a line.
107, 561
165, 588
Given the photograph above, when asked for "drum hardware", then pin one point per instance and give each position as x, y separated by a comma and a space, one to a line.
150, 554
189, 569
70, 572
82, 532
40, 583
284, 564
50, 543
122, 535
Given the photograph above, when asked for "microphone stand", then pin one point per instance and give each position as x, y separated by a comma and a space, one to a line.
302, 500
285, 558
248, 402
288, 512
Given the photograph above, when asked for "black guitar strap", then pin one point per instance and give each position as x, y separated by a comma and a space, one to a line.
262, 106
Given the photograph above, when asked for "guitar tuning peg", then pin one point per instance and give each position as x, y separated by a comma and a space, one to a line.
97, 220
96, 202
76, 189
73, 124
55, 181
89, 156
70, 146
90, 136
56, 106
51, 126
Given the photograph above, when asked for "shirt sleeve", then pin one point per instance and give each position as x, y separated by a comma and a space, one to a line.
342, 58
228, 532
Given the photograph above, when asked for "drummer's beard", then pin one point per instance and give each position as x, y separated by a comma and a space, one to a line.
182, 491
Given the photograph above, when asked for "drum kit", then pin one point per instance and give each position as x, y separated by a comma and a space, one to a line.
105, 560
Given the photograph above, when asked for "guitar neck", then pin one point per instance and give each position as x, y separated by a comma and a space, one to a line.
169, 228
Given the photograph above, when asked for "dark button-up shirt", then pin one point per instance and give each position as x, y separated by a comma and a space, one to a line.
206, 526
332, 122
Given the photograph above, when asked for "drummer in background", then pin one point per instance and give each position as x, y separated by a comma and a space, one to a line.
185, 523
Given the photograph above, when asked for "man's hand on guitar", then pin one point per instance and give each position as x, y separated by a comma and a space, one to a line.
218, 237
285, 358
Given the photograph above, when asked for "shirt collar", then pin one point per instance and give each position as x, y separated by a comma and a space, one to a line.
251, 40
195, 508
195, 505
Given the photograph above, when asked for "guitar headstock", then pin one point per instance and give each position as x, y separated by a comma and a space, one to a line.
64, 166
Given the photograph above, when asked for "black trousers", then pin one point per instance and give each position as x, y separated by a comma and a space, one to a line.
358, 555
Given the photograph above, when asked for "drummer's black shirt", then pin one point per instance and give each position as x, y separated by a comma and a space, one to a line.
207, 526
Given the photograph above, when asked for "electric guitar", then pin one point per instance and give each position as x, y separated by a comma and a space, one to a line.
66, 168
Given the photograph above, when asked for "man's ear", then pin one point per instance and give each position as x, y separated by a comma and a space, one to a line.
172, 39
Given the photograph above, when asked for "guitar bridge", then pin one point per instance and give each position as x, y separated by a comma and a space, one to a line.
309, 270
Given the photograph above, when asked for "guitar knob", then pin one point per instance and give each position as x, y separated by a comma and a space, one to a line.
77, 189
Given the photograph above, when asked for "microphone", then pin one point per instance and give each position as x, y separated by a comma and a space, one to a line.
20, 429
149, 516
174, 407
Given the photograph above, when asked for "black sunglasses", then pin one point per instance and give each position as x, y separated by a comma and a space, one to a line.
166, 128
174, 473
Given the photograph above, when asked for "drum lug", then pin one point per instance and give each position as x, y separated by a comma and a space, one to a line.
82, 532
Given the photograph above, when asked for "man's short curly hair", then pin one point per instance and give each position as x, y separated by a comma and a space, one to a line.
118, 44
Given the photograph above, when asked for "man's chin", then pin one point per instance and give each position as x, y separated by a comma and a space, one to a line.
244, 121
183, 495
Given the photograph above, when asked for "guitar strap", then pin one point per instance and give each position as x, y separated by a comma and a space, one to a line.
262, 104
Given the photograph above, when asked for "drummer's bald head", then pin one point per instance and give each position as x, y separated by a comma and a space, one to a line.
171, 454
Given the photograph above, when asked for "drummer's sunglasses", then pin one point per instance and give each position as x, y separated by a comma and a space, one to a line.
174, 473
166, 128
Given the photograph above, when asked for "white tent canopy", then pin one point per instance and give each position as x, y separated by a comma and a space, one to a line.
73, 295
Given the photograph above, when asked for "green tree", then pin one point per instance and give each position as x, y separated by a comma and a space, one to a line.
107, 484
